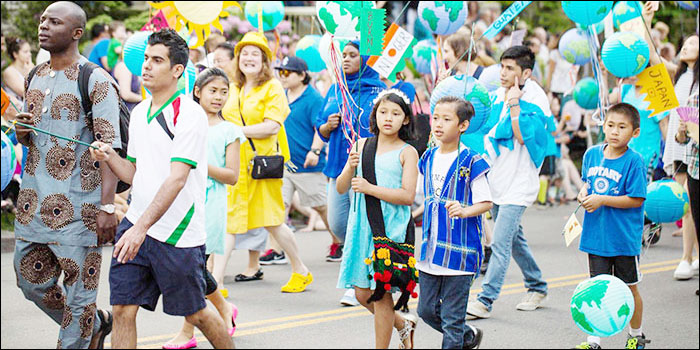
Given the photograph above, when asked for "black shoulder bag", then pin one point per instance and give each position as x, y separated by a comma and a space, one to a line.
264, 167
393, 262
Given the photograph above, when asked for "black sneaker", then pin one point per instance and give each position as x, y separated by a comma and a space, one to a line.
272, 257
476, 339
336, 253
487, 257
587, 345
638, 342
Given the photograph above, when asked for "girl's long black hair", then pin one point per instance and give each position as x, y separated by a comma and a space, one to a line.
407, 132
206, 77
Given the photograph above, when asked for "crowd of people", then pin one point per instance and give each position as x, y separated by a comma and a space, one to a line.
261, 136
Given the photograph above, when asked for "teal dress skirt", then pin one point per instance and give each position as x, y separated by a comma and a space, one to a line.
354, 272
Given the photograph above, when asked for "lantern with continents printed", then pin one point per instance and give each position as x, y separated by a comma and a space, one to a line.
491, 77
573, 46
424, 54
602, 306
307, 49
469, 89
586, 93
134, 49
667, 201
625, 54
272, 13
341, 18
586, 12
625, 11
442, 17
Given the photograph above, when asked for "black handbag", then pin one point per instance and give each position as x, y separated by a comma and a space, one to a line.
264, 167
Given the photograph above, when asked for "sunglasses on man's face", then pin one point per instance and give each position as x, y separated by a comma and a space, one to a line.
285, 73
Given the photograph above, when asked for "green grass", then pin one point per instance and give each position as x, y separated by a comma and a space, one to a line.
7, 222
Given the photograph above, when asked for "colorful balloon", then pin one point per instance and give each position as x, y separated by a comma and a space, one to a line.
625, 54
272, 13
134, 50
602, 306
307, 49
424, 56
625, 11
586, 93
667, 201
442, 17
586, 12
469, 89
341, 18
573, 46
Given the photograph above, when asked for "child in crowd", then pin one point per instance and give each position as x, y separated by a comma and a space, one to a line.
223, 147
114, 51
613, 196
396, 171
457, 193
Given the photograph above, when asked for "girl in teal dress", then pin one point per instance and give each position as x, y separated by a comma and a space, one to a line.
396, 173
223, 146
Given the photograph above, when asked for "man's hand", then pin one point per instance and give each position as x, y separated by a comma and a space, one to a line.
26, 118
106, 227
104, 153
360, 185
311, 160
514, 93
455, 209
333, 122
128, 246
593, 202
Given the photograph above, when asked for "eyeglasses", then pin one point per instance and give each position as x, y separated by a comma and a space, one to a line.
285, 73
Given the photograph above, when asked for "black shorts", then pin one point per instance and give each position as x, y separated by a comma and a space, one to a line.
625, 268
680, 167
159, 268
549, 166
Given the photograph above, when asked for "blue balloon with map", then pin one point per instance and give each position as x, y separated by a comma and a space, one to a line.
602, 306
424, 54
667, 201
491, 77
442, 17
272, 13
586, 12
307, 50
469, 89
134, 49
689, 5
598, 27
8, 161
586, 93
625, 11
573, 46
625, 54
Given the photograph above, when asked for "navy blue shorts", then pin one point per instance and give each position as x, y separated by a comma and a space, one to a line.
159, 268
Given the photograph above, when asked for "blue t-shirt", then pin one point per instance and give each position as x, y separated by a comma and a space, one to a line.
300, 126
99, 51
611, 231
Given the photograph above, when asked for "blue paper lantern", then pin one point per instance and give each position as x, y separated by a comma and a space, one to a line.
586, 12
573, 46
586, 93
491, 77
272, 12
307, 50
186, 82
625, 54
689, 5
134, 50
625, 11
602, 306
442, 17
598, 27
667, 201
424, 54
469, 89
8, 161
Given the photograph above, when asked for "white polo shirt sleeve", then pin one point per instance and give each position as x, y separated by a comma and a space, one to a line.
188, 141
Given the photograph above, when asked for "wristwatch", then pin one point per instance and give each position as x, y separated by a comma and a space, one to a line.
316, 151
108, 208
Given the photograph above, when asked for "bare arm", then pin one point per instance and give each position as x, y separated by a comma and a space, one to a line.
342, 183
262, 130
122, 168
124, 79
455, 209
515, 123
228, 174
14, 81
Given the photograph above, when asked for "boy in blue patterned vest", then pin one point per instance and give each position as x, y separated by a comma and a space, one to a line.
456, 194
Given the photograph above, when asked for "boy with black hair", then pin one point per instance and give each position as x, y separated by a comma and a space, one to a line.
613, 197
515, 149
456, 194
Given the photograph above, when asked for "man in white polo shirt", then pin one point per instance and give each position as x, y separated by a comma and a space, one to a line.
160, 242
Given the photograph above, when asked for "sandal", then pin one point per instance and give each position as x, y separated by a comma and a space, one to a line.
105, 328
243, 278
409, 327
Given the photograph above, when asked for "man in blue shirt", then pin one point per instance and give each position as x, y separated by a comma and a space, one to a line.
98, 55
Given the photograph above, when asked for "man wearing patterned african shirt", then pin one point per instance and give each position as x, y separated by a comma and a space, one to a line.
65, 204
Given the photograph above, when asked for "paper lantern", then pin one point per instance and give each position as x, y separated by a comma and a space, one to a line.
341, 18
667, 201
307, 50
625, 54
424, 54
469, 89
134, 50
586, 93
689, 5
573, 46
272, 13
586, 12
186, 82
625, 11
442, 17
9, 161
324, 48
602, 306
491, 77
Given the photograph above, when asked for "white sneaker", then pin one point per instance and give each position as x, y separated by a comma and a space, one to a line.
349, 298
694, 265
476, 310
684, 271
531, 301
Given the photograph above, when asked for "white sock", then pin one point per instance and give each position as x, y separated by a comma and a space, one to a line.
636, 332
593, 340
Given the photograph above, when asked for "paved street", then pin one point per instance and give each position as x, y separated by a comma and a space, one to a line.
315, 319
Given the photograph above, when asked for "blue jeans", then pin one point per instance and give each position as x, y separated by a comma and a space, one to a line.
508, 238
338, 210
442, 305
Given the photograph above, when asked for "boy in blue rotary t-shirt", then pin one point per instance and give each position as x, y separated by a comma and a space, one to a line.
613, 196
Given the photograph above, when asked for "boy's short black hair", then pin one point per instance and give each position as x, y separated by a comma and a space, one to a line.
97, 30
463, 108
628, 111
523, 56
178, 52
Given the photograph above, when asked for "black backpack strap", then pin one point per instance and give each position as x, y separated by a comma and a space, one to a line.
374, 208
31, 75
478, 71
84, 87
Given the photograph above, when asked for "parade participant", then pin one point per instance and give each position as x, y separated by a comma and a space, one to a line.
515, 158
364, 86
66, 200
13, 76
258, 104
396, 171
223, 146
160, 243
613, 196
445, 280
